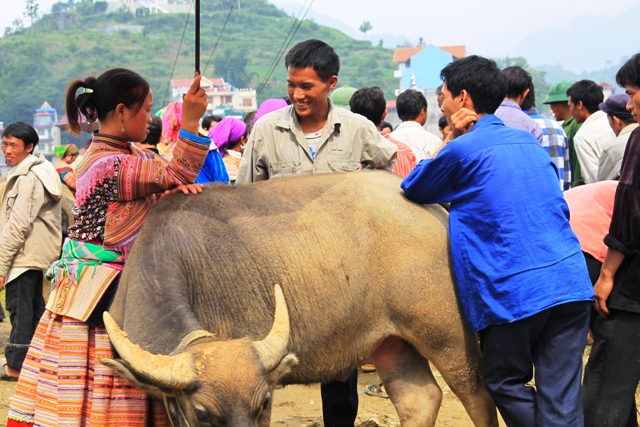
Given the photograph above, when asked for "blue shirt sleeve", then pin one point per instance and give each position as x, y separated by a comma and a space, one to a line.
195, 138
213, 169
431, 180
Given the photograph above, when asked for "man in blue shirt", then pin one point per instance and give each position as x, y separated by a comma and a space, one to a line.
520, 275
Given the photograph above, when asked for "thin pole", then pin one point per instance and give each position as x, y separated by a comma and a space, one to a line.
197, 68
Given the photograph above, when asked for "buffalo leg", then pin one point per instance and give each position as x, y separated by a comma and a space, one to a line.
409, 382
460, 367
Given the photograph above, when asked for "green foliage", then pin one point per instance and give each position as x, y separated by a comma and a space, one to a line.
37, 68
231, 64
365, 26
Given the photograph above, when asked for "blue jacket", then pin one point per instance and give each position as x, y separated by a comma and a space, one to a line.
513, 251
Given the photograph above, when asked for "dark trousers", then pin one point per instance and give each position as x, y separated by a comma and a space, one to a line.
553, 342
26, 306
340, 402
613, 371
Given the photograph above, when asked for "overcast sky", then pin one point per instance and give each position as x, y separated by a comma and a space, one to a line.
488, 27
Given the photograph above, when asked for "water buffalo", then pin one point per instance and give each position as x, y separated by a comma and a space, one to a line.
365, 273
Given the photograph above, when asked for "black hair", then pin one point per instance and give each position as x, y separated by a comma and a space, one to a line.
587, 92
315, 54
103, 94
369, 102
481, 78
155, 131
23, 131
629, 73
442, 122
206, 122
410, 103
249, 120
518, 80
529, 101
384, 125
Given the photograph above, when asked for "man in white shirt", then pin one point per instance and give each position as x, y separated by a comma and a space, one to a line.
622, 123
585, 97
412, 110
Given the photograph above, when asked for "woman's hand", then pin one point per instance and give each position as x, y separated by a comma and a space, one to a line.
194, 105
185, 189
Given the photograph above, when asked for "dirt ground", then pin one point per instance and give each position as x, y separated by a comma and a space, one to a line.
300, 406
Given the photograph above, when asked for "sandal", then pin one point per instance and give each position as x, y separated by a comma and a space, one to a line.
368, 368
5, 376
376, 390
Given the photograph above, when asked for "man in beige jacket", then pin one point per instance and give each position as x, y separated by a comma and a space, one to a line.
313, 136
30, 238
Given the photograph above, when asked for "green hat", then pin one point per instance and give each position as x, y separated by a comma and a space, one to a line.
342, 96
558, 92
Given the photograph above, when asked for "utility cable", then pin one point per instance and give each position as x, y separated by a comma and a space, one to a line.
219, 36
284, 47
186, 23
278, 56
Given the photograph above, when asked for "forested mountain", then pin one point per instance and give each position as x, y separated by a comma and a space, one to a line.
37, 63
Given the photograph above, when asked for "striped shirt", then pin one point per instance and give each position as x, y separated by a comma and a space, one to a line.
555, 141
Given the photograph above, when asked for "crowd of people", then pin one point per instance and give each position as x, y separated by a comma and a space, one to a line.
527, 274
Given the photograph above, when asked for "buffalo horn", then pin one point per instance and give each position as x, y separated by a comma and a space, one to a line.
172, 372
273, 348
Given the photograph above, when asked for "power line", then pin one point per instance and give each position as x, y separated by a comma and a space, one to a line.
278, 56
284, 47
186, 23
219, 37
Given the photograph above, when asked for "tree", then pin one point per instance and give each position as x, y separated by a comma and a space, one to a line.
421, 42
32, 12
366, 26
231, 64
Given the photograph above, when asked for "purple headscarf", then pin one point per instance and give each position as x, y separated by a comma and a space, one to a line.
227, 133
268, 106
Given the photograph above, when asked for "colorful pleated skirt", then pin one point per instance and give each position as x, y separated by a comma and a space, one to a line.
63, 383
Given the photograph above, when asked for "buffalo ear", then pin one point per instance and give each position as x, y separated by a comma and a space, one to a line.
285, 366
124, 370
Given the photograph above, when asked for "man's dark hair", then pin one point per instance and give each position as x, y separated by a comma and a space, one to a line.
587, 92
206, 122
384, 125
409, 104
529, 101
629, 73
155, 131
315, 54
518, 80
369, 102
481, 78
23, 131
442, 122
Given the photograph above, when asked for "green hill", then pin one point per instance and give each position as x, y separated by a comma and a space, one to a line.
36, 64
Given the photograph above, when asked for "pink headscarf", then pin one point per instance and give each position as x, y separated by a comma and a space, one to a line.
171, 122
227, 133
268, 106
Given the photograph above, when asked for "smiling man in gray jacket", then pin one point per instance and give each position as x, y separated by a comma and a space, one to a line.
30, 238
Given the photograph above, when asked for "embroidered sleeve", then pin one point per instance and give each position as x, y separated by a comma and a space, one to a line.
141, 177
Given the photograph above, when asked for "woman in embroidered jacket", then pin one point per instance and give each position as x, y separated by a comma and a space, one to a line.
62, 381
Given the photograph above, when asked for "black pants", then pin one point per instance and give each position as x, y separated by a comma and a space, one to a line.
553, 342
26, 306
613, 371
340, 402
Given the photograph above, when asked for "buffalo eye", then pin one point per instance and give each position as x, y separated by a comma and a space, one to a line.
203, 417
266, 403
